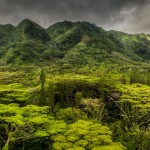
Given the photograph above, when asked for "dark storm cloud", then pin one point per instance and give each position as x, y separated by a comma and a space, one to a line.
125, 15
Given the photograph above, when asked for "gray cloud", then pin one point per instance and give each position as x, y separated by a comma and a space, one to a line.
125, 15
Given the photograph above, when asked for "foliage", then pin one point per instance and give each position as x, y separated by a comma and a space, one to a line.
18, 123
133, 130
94, 108
70, 115
85, 135
13, 93
43, 96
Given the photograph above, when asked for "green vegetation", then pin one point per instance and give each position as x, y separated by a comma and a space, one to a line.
73, 86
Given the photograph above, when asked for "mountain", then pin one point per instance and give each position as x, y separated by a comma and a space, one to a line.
68, 34
137, 45
29, 30
86, 44
24, 42
71, 45
5, 33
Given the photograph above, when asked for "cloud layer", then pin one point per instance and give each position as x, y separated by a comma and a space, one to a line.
131, 16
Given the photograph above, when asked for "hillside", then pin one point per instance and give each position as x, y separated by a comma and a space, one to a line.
5, 33
71, 45
73, 86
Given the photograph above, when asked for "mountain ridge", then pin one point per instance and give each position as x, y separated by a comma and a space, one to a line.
71, 22
71, 44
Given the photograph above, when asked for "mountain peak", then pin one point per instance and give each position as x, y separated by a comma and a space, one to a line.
6, 27
26, 22
5, 32
28, 29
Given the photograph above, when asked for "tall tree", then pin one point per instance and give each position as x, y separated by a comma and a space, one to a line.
42, 100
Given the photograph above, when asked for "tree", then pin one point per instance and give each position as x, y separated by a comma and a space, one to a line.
94, 108
102, 81
70, 115
123, 78
148, 78
23, 122
84, 135
134, 131
136, 76
78, 97
14, 92
42, 100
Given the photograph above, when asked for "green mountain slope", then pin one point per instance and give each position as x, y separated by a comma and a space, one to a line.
135, 46
29, 30
5, 33
71, 45
27, 42
86, 44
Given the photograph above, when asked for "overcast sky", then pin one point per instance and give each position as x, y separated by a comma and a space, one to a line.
132, 16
